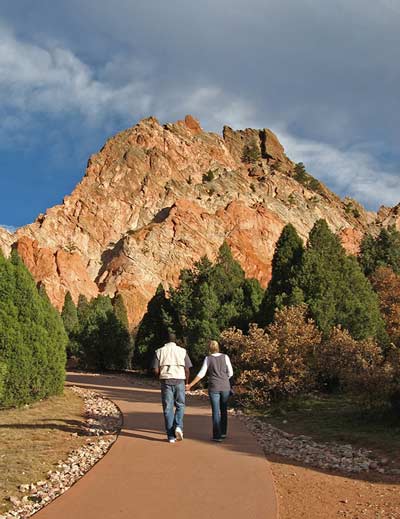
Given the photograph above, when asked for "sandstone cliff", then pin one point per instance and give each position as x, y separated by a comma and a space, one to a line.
158, 197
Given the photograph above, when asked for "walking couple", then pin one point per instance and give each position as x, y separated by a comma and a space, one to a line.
172, 364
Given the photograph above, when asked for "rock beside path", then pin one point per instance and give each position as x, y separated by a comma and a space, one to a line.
103, 422
344, 458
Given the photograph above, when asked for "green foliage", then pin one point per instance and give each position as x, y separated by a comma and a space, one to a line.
251, 153
350, 209
104, 340
32, 338
383, 251
285, 263
304, 178
153, 329
208, 177
335, 288
327, 280
69, 315
120, 310
300, 173
210, 297
315, 185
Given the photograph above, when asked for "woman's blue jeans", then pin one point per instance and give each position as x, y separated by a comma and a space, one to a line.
173, 401
219, 408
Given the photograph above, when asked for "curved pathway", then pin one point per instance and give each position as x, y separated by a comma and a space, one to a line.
145, 477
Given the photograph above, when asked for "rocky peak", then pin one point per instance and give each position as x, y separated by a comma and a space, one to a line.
156, 198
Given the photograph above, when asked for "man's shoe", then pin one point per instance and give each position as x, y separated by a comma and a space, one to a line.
171, 440
223, 436
217, 439
178, 434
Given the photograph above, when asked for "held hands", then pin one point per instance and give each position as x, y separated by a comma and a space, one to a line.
188, 387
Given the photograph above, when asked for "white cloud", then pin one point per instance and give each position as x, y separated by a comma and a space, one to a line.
55, 81
351, 172
51, 80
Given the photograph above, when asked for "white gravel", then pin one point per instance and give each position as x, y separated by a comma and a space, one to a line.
103, 422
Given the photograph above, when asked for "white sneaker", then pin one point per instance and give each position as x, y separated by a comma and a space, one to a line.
178, 434
171, 440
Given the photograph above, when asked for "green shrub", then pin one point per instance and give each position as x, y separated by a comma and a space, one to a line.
32, 338
251, 153
104, 340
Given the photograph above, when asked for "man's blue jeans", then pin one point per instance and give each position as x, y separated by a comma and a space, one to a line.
219, 407
173, 401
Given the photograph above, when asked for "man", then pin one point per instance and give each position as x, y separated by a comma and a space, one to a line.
171, 364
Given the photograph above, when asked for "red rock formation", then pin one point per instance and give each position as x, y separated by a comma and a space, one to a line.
157, 198
58, 270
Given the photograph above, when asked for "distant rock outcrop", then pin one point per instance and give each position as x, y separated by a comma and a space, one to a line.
158, 197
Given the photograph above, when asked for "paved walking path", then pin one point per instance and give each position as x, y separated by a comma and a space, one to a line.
145, 477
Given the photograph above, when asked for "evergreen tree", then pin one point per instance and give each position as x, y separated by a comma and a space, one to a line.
252, 299
384, 251
32, 338
335, 289
82, 309
300, 173
43, 292
209, 298
285, 263
104, 341
226, 280
203, 324
69, 315
251, 152
120, 310
153, 330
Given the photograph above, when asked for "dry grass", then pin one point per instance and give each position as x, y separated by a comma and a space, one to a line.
34, 438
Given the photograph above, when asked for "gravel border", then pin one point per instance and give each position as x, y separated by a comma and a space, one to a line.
344, 458
103, 422
329, 456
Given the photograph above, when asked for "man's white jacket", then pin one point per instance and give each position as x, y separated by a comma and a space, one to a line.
171, 358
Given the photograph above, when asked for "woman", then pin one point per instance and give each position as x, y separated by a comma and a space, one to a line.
219, 369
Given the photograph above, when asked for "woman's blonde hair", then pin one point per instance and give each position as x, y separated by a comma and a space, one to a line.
213, 347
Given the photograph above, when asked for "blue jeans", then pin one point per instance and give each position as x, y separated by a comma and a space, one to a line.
173, 402
219, 408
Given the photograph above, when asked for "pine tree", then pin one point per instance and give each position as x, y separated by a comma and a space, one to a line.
203, 325
82, 309
69, 315
120, 310
383, 251
335, 289
32, 338
300, 173
153, 330
251, 152
42, 292
253, 295
285, 263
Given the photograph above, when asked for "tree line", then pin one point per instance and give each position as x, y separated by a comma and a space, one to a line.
327, 320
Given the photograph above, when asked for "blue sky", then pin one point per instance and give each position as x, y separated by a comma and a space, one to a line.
323, 75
